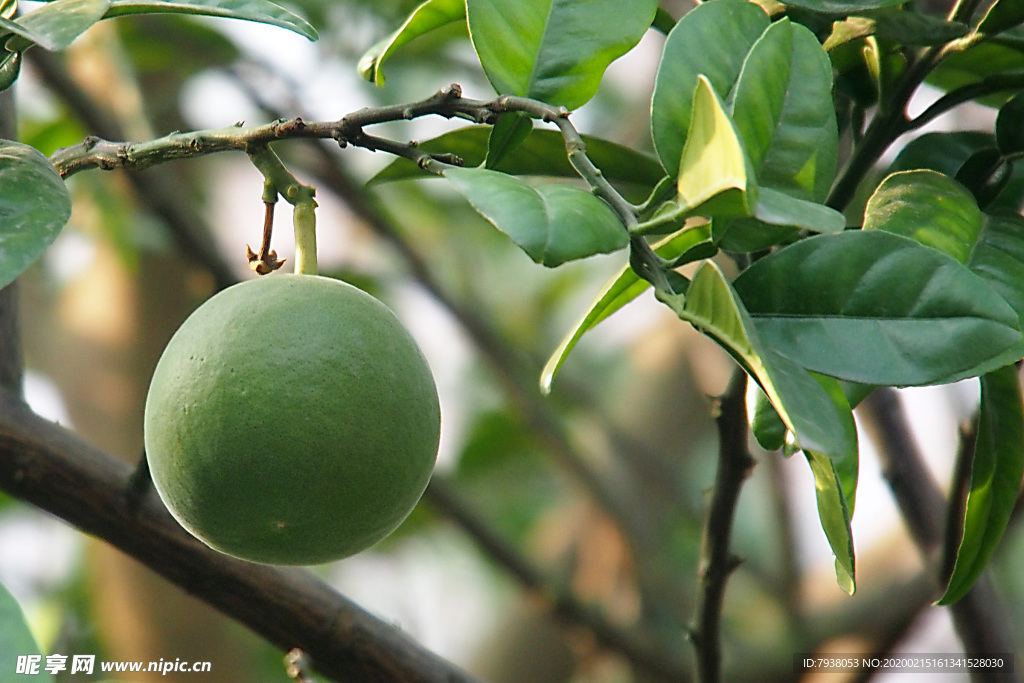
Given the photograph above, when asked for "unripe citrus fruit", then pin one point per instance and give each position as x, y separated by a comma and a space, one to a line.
291, 420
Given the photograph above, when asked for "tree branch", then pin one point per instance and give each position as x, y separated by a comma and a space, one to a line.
980, 622
717, 561
56, 471
643, 653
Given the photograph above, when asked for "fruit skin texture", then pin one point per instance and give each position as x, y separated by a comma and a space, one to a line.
291, 420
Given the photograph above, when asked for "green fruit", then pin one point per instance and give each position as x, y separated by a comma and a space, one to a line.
291, 420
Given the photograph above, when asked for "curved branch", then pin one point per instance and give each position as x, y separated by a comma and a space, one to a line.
51, 468
1011, 81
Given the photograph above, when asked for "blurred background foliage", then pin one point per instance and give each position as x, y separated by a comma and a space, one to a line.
598, 488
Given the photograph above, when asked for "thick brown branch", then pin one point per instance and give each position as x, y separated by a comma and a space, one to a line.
53, 469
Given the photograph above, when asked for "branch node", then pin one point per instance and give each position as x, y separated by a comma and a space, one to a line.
296, 665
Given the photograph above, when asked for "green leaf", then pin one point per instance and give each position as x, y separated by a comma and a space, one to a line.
10, 26
782, 107
747, 235
34, 207
771, 432
873, 307
1010, 126
551, 223
974, 64
945, 152
508, 133
898, 26
16, 639
555, 51
835, 478
691, 243
929, 207
56, 24
818, 422
261, 11
998, 257
765, 423
995, 479
916, 28
715, 176
713, 39
1002, 15
10, 69
847, 30
835, 516
428, 16
541, 154
778, 208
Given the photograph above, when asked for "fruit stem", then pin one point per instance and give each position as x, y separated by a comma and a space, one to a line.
304, 219
279, 180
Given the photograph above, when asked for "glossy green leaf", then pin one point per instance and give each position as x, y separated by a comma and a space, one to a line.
10, 69
555, 51
995, 479
1002, 15
782, 107
508, 133
970, 66
835, 517
765, 423
715, 175
34, 207
260, 11
898, 26
878, 308
8, 8
835, 478
747, 235
778, 208
945, 152
929, 207
551, 223
16, 639
998, 257
430, 15
8, 27
1010, 126
818, 422
624, 287
713, 39
541, 154
848, 30
770, 431
56, 24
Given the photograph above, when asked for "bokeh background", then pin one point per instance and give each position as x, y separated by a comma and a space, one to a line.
631, 407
